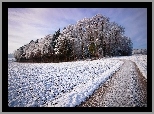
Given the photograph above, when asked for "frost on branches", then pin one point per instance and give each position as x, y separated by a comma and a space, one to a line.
139, 51
89, 38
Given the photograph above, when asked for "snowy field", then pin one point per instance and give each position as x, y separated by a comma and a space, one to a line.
64, 84
140, 61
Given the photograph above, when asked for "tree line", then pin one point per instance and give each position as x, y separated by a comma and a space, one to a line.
89, 38
139, 51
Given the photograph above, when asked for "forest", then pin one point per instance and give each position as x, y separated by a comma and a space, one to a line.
89, 38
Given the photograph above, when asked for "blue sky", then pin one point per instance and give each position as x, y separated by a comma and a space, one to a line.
26, 24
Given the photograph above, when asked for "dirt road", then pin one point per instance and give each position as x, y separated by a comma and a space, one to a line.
126, 88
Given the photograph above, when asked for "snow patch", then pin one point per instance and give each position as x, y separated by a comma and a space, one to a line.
64, 84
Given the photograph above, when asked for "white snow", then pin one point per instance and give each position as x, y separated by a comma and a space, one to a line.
64, 84
140, 61
79, 93
11, 59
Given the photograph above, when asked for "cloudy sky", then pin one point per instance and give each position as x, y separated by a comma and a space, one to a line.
26, 24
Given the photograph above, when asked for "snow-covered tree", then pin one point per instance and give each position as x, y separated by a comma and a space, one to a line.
139, 51
94, 37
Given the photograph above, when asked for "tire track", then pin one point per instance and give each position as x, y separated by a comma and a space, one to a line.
126, 88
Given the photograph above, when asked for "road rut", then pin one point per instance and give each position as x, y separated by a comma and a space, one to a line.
126, 88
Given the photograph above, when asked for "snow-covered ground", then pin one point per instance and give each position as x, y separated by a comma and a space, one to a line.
140, 61
64, 84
